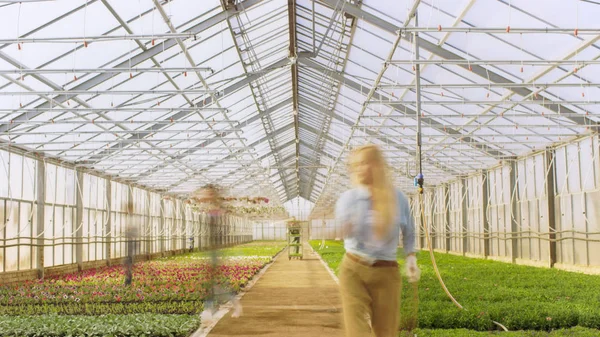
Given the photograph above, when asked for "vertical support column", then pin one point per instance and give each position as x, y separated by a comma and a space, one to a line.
484, 214
448, 231
129, 222
108, 227
464, 201
40, 216
174, 230
184, 225
199, 215
161, 226
432, 231
79, 188
236, 230
211, 223
514, 210
421, 229
223, 230
230, 231
148, 226
550, 198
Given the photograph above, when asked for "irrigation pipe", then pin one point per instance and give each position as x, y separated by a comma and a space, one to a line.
435, 267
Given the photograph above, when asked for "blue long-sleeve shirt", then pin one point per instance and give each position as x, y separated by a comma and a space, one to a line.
354, 209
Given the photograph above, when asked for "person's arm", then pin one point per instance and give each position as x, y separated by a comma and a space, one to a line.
413, 272
343, 214
407, 227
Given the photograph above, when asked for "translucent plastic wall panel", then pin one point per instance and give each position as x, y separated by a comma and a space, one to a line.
324, 229
499, 210
577, 202
140, 218
440, 219
475, 208
95, 218
120, 198
532, 201
270, 230
11, 230
169, 224
204, 229
191, 228
155, 222
416, 211
456, 214
428, 223
181, 232
17, 218
59, 229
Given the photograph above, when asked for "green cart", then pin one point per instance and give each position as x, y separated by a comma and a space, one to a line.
295, 249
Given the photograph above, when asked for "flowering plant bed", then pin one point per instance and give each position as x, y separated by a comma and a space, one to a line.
167, 286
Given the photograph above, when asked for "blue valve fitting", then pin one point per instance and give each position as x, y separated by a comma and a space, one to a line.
419, 179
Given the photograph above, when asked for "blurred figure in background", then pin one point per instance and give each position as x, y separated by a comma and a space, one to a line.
191, 240
210, 198
373, 213
131, 237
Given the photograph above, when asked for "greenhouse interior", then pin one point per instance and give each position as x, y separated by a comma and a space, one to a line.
380, 168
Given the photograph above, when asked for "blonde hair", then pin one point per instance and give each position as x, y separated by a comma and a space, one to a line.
382, 190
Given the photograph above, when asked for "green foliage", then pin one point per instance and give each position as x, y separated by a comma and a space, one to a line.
93, 309
519, 297
332, 253
138, 325
256, 248
572, 332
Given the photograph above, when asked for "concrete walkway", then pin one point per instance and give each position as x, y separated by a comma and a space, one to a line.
293, 298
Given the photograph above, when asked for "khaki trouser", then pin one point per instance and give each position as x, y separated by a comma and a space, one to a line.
372, 291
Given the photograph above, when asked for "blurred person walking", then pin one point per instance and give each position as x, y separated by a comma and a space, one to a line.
373, 214
218, 291
132, 237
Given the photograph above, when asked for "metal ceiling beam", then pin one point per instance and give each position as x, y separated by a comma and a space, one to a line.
202, 145
139, 58
326, 125
349, 123
192, 62
20, 71
52, 102
405, 110
185, 113
279, 148
233, 155
260, 97
446, 54
292, 54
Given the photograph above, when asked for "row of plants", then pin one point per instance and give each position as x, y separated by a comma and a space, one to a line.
570, 332
174, 285
252, 249
519, 297
164, 299
136, 325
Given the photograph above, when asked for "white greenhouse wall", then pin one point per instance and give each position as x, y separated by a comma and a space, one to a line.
503, 213
84, 219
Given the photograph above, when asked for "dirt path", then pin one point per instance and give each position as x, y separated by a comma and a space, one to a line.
293, 298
